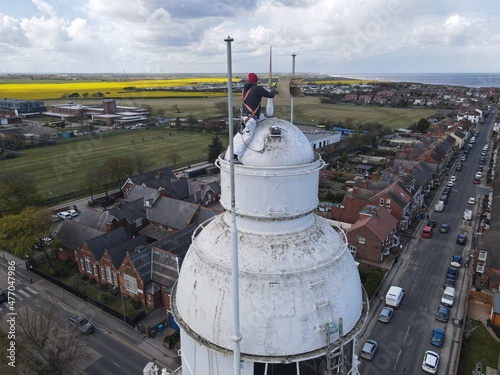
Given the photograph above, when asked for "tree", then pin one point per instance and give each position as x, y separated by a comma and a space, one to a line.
95, 181
421, 126
17, 191
119, 169
222, 108
174, 157
18, 232
141, 164
215, 149
47, 346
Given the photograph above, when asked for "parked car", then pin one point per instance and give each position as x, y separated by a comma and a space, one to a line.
456, 261
448, 296
443, 313
479, 174
432, 223
72, 212
476, 181
459, 167
369, 349
449, 282
450, 184
452, 273
462, 238
471, 200
437, 338
430, 363
64, 215
480, 168
82, 324
385, 315
453, 178
444, 228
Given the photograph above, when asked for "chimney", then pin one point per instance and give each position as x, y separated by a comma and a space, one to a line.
109, 226
159, 174
364, 184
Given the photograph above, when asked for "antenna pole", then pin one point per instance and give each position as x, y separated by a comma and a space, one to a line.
234, 232
291, 100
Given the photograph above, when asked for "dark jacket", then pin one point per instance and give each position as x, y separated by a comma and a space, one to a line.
255, 97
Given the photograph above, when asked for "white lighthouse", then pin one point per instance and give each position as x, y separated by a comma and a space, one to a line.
301, 300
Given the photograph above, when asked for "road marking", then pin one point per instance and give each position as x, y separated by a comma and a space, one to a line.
397, 360
407, 333
23, 293
33, 291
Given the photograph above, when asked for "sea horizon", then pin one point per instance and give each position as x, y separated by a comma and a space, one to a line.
475, 80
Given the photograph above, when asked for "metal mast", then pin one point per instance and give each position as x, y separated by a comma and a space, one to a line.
234, 232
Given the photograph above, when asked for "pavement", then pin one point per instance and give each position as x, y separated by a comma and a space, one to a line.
150, 347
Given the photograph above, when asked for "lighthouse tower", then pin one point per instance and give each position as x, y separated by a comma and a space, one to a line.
301, 300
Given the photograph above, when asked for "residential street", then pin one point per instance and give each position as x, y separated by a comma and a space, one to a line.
112, 345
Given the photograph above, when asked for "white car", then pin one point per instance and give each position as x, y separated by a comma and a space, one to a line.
453, 178
64, 215
471, 200
72, 212
479, 174
450, 184
448, 296
430, 363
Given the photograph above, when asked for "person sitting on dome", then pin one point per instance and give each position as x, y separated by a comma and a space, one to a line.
252, 95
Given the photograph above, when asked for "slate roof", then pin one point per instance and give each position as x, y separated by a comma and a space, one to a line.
129, 211
178, 189
166, 174
117, 253
172, 212
140, 192
74, 234
94, 218
105, 241
159, 262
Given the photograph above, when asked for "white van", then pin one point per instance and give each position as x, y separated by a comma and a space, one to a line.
394, 296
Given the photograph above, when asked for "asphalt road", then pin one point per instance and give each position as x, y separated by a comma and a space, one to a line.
113, 356
403, 341
107, 354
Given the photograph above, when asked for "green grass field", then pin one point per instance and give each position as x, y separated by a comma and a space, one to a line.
307, 110
60, 169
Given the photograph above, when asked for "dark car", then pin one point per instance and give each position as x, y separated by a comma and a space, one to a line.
456, 261
443, 313
444, 228
447, 190
480, 168
449, 282
462, 238
437, 338
83, 324
3, 296
459, 167
432, 223
452, 273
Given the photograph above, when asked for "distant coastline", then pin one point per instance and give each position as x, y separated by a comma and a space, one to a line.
453, 79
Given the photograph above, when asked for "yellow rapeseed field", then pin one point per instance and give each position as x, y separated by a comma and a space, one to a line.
154, 88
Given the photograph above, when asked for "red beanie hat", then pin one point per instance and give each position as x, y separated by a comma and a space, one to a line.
252, 78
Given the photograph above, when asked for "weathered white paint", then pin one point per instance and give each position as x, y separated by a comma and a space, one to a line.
296, 274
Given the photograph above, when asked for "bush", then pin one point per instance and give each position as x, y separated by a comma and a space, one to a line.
105, 297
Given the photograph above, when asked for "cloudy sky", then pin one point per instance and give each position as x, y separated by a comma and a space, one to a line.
176, 36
